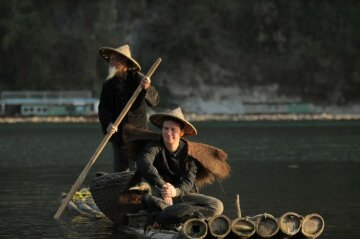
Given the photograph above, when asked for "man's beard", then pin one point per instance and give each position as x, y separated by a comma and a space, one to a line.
111, 72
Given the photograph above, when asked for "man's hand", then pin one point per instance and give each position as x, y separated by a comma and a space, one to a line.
145, 82
168, 190
168, 200
111, 129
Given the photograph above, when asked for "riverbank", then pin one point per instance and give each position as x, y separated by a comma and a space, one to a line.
191, 117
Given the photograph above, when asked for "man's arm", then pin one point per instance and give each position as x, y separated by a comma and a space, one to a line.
187, 178
187, 182
106, 108
145, 164
151, 95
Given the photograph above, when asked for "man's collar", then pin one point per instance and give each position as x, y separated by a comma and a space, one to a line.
176, 152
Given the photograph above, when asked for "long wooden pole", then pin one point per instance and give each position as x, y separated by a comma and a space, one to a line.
94, 157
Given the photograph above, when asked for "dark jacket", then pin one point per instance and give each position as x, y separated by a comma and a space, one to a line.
114, 96
177, 168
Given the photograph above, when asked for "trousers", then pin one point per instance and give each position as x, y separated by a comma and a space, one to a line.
121, 163
207, 205
211, 205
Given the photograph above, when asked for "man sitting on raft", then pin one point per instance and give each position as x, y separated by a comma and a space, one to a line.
171, 164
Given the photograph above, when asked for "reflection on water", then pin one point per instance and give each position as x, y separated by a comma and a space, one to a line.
276, 167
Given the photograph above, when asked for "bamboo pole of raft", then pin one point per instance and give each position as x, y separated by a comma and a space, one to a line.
194, 228
94, 157
219, 226
241, 227
237, 205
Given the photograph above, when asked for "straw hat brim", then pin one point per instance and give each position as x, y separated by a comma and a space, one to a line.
106, 51
157, 120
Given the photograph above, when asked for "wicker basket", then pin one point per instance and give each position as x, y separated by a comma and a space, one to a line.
112, 197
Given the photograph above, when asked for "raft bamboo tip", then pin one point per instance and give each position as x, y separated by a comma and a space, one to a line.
237, 205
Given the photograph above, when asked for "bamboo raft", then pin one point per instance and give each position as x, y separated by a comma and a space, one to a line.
110, 194
260, 226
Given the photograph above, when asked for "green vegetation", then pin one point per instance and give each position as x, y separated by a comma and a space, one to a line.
309, 48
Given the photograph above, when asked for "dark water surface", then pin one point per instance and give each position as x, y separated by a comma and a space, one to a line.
304, 167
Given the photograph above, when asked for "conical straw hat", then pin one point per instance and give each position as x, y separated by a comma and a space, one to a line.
157, 120
124, 51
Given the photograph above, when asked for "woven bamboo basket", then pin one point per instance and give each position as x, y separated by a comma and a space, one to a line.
112, 197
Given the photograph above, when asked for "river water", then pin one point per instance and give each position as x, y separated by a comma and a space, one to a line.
277, 167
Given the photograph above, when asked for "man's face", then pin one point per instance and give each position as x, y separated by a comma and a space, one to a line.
119, 63
171, 132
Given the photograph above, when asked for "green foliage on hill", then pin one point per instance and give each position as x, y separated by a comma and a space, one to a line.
308, 48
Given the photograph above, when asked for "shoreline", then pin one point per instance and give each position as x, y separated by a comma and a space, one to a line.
192, 117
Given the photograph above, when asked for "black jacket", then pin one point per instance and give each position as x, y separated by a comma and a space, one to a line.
114, 96
177, 168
